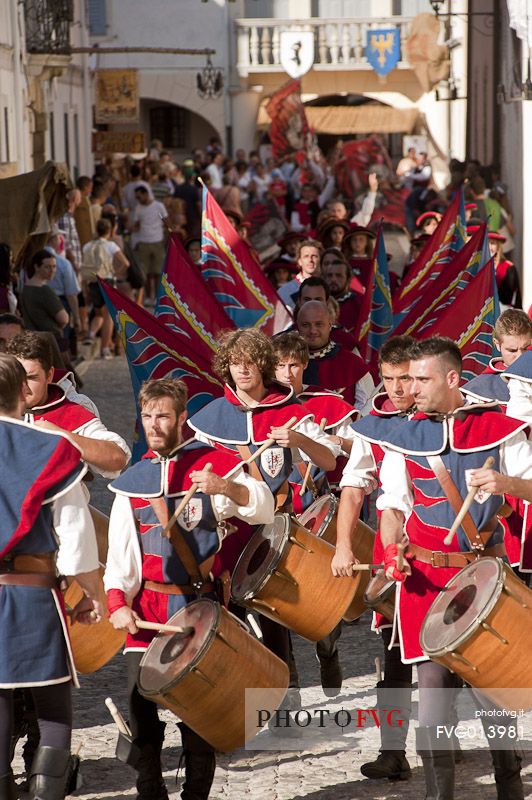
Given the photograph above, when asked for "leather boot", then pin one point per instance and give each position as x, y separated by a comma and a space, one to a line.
150, 781
507, 767
438, 765
330, 668
200, 765
391, 763
8, 790
50, 773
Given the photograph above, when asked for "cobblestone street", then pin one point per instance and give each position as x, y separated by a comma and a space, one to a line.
330, 770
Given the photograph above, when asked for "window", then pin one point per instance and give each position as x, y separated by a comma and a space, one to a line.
52, 136
397, 8
65, 137
97, 17
170, 125
6, 134
76, 140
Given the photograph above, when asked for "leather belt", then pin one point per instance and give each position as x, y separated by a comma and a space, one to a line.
37, 570
34, 562
437, 558
183, 589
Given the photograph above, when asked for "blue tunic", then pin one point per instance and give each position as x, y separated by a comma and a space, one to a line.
42, 465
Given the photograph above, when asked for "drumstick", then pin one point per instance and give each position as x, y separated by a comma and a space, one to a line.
366, 567
466, 505
323, 423
193, 489
268, 443
120, 722
162, 627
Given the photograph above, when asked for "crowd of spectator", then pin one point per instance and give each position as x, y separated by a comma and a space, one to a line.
117, 222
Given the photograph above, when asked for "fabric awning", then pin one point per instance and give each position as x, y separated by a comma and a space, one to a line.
343, 120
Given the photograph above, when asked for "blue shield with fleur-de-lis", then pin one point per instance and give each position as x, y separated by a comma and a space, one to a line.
383, 49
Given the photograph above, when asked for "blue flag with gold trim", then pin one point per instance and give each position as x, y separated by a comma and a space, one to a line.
383, 49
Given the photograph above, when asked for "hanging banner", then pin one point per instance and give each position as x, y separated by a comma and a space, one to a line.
116, 96
296, 52
383, 49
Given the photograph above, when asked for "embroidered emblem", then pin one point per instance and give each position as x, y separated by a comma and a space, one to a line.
481, 496
191, 514
272, 461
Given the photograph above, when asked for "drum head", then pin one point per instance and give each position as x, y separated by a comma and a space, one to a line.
457, 611
260, 557
170, 656
317, 517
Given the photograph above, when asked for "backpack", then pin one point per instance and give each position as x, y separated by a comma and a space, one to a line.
97, 262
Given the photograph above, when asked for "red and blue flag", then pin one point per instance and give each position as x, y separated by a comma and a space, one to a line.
154, 351
469, 321
184, 303
447, 239
234, 277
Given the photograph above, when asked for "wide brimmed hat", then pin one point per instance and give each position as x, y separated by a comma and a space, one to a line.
426, 216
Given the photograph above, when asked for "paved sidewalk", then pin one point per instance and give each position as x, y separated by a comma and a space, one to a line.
329, 772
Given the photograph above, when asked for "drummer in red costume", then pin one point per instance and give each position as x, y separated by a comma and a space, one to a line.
254, 409
331, 366
512, 335
48, 407
360, 478
292, 358
146, 578
448, 438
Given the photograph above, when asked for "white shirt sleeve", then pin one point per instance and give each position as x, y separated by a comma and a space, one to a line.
295, 222
360, 471
78, 551
516, 456
124, 560
95, 429
260, 508
75, 397
364, 391
363, 217
520, 404
344, 430
396, 489
313, 431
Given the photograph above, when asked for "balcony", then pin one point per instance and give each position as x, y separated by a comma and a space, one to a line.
338, 43
47, 25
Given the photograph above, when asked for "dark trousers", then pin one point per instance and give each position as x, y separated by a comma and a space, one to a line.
53, 706
143, 716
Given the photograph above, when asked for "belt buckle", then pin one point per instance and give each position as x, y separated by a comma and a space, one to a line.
8, 564
438, 553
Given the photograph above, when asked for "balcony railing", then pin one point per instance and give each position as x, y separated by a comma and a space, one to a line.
338, 43
47, 25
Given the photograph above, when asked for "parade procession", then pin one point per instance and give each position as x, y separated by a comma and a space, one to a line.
265, 400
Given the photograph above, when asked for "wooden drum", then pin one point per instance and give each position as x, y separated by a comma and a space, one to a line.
380, 595
93, 645
202, 677
320, 519
285, 574
478, 627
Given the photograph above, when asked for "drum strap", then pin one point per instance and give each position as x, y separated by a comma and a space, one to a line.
281, 496
477, 539
181, 547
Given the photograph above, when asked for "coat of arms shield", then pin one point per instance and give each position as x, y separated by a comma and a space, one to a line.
296, 52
